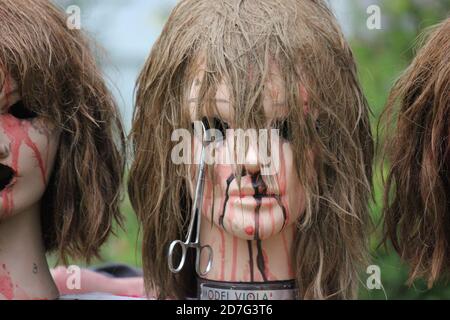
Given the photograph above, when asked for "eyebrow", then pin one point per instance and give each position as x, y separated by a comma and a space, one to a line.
217, 100
277, 104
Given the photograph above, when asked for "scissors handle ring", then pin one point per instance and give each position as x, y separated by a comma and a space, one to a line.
171, 255
209, 257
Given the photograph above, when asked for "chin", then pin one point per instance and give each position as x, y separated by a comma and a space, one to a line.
242, 225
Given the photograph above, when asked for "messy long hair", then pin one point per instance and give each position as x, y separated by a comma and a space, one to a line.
417, 191
237, 40
58, 79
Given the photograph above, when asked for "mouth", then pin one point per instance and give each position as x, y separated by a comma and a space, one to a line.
249, 202
250, 192
7, 175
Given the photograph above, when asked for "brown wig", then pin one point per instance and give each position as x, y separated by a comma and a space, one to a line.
417, 190
59, 80
237, 41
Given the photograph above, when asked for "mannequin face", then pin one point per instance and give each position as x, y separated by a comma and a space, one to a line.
264, 205
28, 145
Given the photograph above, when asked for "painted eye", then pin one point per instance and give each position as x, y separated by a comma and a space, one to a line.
19, 111
220, 125
284, 127
216, 123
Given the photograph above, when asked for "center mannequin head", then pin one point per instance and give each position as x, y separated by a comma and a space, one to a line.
256, 65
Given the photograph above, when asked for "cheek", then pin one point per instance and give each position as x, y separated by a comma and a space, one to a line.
39, 150
295, 193
215, 177
32, 150
216, 183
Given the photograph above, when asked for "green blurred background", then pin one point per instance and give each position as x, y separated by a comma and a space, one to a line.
381, 56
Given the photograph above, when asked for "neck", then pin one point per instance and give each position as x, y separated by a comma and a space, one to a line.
24, 272
239, 260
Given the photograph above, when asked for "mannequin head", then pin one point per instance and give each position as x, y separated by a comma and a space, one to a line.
61, 139
256, 65
417, 190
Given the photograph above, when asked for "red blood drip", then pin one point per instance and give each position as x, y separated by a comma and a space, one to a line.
282, 185
270, 275
272, 220
6, 285
222, 252
234, 262
7, 201
18, 133
286, 252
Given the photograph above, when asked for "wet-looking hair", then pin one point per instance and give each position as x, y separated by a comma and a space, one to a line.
58, 79
416, 126
237, 41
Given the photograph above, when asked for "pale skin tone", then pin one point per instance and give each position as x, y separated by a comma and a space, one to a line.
28, 147
252, 230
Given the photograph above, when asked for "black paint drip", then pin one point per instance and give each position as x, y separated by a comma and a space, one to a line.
227, 197
250, 255
260, 189
260, 261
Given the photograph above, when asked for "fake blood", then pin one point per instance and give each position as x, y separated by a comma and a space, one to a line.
282, 185
6, 285
258, 184
18, 132
227, 197
234, 262
222, 251
286, 251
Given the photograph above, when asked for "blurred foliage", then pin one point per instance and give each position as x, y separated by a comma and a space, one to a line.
381, 56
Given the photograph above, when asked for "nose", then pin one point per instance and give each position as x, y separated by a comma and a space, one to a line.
252, 164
